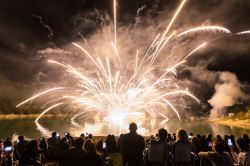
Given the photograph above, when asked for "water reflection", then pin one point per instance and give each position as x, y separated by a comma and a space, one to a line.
27, 127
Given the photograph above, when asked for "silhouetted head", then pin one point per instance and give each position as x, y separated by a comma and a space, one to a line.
89, 146
79, 142
162, 134
242, 144
54, 134
182, 135
43, 144
99, 146
219, 138
90, 136
245, 136
219, 147
20, 138
132, 127
32, 146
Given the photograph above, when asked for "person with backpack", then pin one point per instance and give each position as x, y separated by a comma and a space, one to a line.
182, 149
158, 150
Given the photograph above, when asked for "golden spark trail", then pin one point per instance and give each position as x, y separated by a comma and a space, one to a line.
40, 94
199, 29
47, 110
243, 32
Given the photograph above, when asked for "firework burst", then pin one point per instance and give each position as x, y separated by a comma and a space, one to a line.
121, 91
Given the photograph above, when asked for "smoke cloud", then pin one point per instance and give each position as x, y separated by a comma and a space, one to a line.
227, 92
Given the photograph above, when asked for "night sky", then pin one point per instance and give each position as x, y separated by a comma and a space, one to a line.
27, 26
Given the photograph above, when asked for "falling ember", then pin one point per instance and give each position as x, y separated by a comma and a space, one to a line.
117, 93
243, 33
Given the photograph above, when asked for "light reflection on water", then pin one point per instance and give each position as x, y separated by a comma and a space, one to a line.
27, 127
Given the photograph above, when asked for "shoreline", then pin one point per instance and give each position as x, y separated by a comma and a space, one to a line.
242, 123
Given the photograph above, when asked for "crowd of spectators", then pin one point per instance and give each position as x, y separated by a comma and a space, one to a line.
163, 149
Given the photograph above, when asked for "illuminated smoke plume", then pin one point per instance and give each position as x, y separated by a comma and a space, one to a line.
227, 93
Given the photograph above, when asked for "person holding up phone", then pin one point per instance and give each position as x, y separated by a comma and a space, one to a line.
8, 149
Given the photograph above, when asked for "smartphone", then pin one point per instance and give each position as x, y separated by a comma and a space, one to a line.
190, 137
8, 149
210, 144
229, 142
57, 135
65, 134
104, 145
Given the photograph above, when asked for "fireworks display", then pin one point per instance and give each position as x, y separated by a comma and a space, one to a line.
119, 90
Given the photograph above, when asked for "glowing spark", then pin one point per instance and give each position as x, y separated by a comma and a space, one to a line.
174, 17
40, 94
47, 110
196, 49
243, 33
205, 29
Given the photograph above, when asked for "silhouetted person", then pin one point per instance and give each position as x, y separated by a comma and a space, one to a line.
219, 139
20, 147
119, 141
44, 150
111, 144
218, 157
93, 158
71, 140
159, 149
1, 150
246, 137
101, 149
32, 156
132, 147
7, 158
243, 157
182, 149
74, 156
56, 153
52, 141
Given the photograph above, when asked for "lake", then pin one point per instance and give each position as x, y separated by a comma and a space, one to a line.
28, 128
